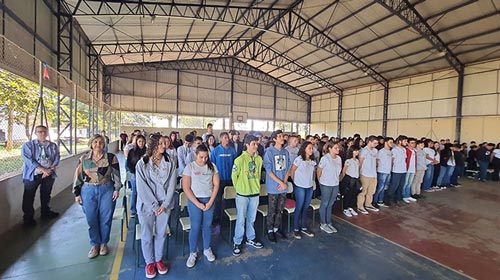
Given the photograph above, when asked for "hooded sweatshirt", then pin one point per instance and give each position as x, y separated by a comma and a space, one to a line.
246, 174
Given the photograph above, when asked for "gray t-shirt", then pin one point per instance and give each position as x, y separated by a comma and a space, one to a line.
384, 157
421, 161
201, 179
369, 167
43, 159
352, 167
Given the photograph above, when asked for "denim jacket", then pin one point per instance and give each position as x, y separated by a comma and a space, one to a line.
30, 153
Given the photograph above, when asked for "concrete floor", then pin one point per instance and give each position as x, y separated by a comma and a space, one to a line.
451, 234
455, 227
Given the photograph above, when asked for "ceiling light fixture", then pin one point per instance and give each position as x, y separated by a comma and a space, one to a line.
441, 53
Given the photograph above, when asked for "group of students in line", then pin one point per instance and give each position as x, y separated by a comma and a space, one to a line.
375, 173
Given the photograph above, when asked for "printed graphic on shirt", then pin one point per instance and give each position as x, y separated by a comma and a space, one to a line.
235, 168
252, 170
280, 162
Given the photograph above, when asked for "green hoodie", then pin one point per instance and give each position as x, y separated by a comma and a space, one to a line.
246, 174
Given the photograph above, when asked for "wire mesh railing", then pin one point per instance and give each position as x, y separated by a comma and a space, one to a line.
33, 93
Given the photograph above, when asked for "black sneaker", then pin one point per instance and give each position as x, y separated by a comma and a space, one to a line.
237, 249
375, 205
29, 223
50, 215
297, 234
254, 243
271, 236
281, 234
307, 232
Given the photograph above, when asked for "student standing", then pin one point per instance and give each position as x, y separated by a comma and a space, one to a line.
277, 165
183, 153
223, 157
483, 157
293, 147
398, 174
328, 172
156, 177
133, 157
40, 160
495, 155
200, 183
384, 166
302, 173
411, 168
430, 154
350, 182
245, 175
368, 171
420, 171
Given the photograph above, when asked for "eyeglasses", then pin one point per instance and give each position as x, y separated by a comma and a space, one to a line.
41, 131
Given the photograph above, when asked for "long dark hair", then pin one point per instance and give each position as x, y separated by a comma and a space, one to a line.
152, 145
202, 148
302, 151
351, 150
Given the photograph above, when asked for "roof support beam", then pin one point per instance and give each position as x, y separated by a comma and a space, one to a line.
407, 12
226, 65
286, 22
257, 52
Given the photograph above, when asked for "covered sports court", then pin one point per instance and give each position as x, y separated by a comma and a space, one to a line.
422, 68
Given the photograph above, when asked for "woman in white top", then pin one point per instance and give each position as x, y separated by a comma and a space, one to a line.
328, 172
200, 183
211, 143
351, 185
171, 151
302, 173
495, 156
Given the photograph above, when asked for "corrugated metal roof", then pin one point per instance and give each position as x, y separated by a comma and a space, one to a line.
313, 45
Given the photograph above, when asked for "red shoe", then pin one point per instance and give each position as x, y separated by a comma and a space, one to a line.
150, 271
162, 268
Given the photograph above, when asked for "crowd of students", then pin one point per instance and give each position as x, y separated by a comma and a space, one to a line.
371, 173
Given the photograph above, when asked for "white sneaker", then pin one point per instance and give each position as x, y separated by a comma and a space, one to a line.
347, 213
334, 230
412, 199
381, 204
208, 253
191, 261
353, 212
407, 200
325, 228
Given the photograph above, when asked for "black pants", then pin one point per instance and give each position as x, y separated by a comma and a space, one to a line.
496, 164
30, 188
350, 188
276, 206
219, 202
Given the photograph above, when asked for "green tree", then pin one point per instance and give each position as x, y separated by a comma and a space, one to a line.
18, 99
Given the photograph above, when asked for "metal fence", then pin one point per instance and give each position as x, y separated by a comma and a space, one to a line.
33, 93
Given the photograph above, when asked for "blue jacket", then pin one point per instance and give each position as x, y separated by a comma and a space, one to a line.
277, 162
223, 159
30, 153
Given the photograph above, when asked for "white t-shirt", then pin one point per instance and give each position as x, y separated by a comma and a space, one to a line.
497, 153
331, 170
451, 161
412, 166
304, 174
399, 156
352, 167
292, 151
201, 179
384, 161
369, 167
431, 154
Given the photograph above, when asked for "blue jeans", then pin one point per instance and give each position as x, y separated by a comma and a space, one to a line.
383, 181
397, 183
407, 188
328, 197
200, 221
133, 199
303, 197
458, 171
483, 168
445, 173
246, 208
98, 206
429, 175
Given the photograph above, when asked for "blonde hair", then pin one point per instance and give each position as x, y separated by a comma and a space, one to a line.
95, 137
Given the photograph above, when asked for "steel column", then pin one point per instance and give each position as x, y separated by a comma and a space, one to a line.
386, 106
339, 116
275, 108
231, 119
460, 94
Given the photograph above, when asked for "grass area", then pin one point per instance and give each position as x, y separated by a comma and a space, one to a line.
11, 162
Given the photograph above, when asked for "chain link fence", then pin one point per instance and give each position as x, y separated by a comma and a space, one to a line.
33, 93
